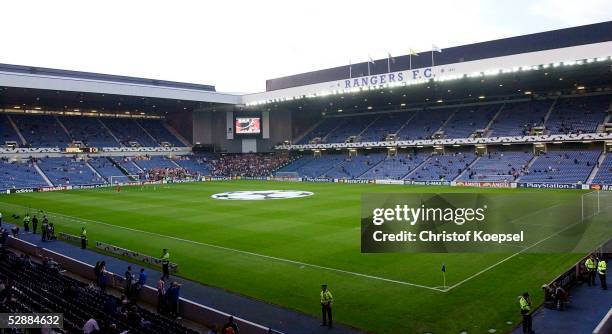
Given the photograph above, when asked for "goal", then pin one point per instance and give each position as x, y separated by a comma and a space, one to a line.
118, 180
287, 175
591, 204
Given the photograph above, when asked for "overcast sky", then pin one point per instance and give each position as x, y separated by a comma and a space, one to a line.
237, 45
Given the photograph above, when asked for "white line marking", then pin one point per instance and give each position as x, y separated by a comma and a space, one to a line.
511, 256
83, 220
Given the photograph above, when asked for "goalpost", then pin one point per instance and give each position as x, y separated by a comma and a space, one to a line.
591, 204
115, 180
287, 175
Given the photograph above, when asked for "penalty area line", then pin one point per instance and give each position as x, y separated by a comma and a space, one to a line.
269, 257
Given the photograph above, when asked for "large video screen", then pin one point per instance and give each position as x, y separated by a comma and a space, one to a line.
247, 125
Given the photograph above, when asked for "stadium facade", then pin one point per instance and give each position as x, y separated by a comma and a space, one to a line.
531, 111
529, 94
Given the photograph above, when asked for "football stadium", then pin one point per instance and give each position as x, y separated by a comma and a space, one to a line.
457, 189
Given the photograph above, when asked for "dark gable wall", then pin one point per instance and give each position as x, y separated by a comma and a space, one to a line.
588, 34
183, 123
209, 127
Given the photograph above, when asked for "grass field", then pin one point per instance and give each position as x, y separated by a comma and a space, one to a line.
280, 251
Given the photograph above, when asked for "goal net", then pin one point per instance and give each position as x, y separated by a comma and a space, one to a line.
591, 204
119, 180
287, 175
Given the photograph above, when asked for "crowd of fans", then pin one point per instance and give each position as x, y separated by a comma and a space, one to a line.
159, 174
249, 165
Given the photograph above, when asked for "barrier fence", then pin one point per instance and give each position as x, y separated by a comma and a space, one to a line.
190, 310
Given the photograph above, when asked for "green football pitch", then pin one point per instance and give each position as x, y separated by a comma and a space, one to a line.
280, 251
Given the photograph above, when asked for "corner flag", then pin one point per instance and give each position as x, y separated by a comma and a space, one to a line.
444, 274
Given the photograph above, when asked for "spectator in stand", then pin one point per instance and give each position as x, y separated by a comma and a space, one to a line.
231, 324
142, 277
129, 279
161, 295
51, 232
96, 270
3, 236
173, 296
91, 326
142, 280
15, 231
561, 296
214, 329
34, 224
103, 279
248, 165
110, 306
0, 218
44, 228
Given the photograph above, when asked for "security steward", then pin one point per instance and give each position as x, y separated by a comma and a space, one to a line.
165, 263
602, 268
591, 267
525, 305
26, 223
326, 306
83, 238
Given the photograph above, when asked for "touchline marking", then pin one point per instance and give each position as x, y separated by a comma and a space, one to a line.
447, 289
519, 252
511, 256
83, 220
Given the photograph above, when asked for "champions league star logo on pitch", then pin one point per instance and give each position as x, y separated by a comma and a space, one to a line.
260, 195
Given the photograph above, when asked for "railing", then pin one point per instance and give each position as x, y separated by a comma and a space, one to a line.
457, 141
190, 310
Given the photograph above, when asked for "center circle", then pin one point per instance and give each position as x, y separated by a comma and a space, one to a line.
260, 195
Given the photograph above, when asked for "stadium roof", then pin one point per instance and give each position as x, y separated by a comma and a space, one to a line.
38, 78
549, 40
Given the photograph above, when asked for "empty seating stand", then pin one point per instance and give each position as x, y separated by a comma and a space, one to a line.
40, 289
352, 167
517, 119
68, 171
425, 123
395, 168
7, 132
128, 131
578, 114
444, 167
196, 164
19, 174
469, 119
159, 132
504, 166
89, 131
154, 162
562, 167
604, 175
41, 131
108, 170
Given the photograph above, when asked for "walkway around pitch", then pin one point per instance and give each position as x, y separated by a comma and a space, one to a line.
268, 315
